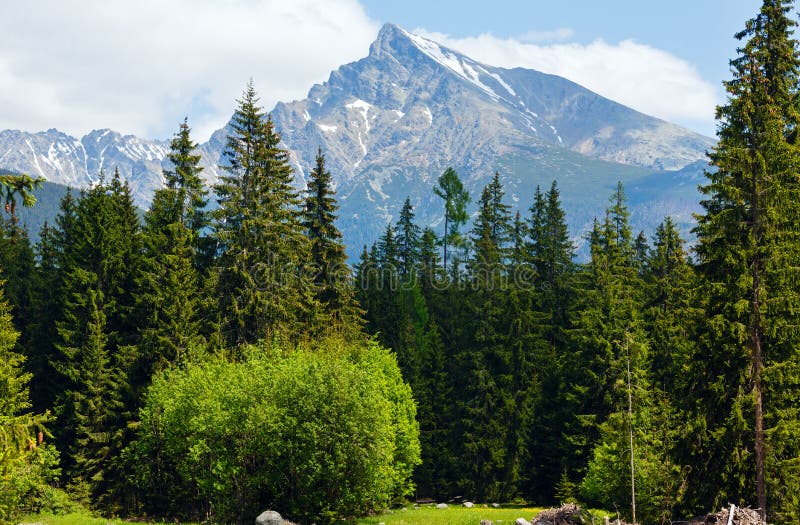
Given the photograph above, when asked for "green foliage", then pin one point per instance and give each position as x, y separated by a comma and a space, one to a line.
171, 302
18, 187
332, 277
262, 247
547, 310
184, 178
528, 371
26, 465
94, 355
748, 242
608, 313
607, 483
492, 370
319, 433
172, 297
566, 489
450, 189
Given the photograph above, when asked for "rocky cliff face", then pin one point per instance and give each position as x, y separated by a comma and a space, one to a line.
391, 122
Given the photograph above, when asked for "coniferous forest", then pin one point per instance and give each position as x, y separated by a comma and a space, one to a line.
220, 355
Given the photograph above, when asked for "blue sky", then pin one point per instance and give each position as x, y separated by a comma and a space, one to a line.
700, 31
141, 66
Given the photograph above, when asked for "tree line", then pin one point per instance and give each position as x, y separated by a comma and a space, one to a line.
105, 301
535, 376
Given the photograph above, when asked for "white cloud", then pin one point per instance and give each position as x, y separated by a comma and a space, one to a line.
650, 80
554, 35
139, 67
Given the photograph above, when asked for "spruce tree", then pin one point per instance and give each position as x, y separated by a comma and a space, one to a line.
674, 310
54, 259
748, 238
17, 263
558, 252
183, 177
172, 298
641, 251
608, 313
171, 302
92, 418
551, 252
97, 330
537, 232
429, 269
261, 286
616, 413
332, 276
435, 415
408, 241
489, 368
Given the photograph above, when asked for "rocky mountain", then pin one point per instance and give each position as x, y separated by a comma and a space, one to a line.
391, 122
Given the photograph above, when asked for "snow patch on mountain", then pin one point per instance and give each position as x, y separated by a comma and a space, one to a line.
363, 107
327, 128
506, 86
455, 63
427, 112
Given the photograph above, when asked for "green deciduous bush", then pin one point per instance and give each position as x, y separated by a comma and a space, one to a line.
319, 432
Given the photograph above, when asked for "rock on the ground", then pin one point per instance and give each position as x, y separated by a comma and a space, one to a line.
269, 517
486, 522
468, 504
495, 505
522, 521
441, 506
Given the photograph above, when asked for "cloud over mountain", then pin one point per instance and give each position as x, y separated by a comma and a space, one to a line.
642, 77
139, 67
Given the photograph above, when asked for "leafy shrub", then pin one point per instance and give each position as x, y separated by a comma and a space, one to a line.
319, 433
26, 478
607, 480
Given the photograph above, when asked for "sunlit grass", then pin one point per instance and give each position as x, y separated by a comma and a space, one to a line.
424, 515
73, 518
453, 515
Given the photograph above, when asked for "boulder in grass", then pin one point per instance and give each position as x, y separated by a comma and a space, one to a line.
486, 522
441, 506
468, 504
269, 517
522, 521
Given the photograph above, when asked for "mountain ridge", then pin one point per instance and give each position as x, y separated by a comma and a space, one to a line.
391, 122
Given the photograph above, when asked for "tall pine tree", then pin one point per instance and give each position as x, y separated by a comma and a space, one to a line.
455, 196
261, 286
332, 276
749, 234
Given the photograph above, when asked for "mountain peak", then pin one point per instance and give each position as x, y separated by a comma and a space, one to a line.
391, 39
389, 29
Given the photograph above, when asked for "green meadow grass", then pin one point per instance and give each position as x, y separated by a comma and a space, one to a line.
73, 518
453, 515
424, 515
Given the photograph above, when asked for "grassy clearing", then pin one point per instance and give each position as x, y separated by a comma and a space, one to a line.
454, 515
425, 515
73, 518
